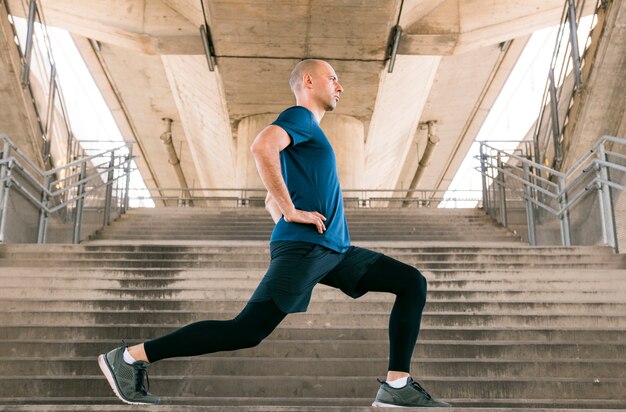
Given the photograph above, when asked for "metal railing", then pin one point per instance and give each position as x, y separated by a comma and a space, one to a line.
40, 79
513, 183
86, 193
353, 198
565, 80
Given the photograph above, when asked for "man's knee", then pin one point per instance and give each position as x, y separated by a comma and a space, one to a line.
418, 284
252, 340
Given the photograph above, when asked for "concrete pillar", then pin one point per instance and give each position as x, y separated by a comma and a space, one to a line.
246, 176
346, 134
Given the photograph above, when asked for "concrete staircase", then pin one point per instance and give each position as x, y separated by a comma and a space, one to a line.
506, 325
256, 224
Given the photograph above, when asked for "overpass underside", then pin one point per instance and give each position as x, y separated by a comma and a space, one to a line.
450, 62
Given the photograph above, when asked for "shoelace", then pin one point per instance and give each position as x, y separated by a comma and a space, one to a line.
141, 371
419, 388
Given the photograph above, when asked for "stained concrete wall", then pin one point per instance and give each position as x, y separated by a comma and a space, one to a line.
16, 119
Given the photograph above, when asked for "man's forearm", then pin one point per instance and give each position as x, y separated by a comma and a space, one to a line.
268, 165
272, 208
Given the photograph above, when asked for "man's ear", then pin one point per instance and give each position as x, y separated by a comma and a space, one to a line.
307, 80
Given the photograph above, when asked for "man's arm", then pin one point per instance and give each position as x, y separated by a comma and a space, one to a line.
266, 151
272, 207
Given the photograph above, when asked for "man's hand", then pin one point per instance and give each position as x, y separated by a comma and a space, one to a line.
311, 218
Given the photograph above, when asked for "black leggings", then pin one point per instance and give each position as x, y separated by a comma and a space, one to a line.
258, 319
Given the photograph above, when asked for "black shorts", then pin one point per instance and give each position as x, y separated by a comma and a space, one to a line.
296, 267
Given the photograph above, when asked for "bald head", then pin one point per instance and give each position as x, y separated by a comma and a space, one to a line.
310, 66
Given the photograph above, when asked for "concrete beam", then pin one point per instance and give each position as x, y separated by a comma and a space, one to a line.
399, 104
145, 26
414, 10
146, 92
460, 101
457, 26
199, 97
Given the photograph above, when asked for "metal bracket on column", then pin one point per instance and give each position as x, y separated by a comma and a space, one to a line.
424, 162
174, 160
396, 33
207, 43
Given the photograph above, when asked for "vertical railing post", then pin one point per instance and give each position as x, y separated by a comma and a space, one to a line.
483, 173
129, 160
42, 228
502, 191
80, 201
5, 173
573, 38
492, 195
50, 114
109, 191
28, 48
554, 112
4, 169
566, 238
530, 208
607, 217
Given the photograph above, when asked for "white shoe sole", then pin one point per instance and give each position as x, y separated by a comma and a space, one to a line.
106, 370
386, 405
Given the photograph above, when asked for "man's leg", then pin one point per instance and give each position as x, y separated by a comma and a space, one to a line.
255, 322
409, 286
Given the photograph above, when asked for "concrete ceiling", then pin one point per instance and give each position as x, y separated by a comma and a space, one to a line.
150, 64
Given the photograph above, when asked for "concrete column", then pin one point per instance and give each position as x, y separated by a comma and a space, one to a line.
346, 134
246, 175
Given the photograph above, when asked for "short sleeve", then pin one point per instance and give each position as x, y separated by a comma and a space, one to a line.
296, 121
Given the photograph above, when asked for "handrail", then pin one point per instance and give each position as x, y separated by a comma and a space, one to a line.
64, 188
360, 198
562, 87
588, 174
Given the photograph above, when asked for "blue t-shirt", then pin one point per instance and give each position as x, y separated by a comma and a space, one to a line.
309, 168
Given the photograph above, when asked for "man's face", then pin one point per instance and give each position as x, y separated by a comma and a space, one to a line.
327, 86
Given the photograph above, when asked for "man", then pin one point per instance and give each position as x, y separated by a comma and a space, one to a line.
310, 244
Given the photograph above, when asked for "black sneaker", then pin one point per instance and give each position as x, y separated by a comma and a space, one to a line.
127, 381
411, 395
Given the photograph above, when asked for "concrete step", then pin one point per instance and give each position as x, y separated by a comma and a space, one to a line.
535, 293
217, 283
530, 275
266, 237
252, 366
167, 246
103, 404
417, 257
347, 349
290, 404
381, 306
132, 333
263, 263
336, 319
324, 386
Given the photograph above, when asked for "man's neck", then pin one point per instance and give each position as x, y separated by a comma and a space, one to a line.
318, 112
